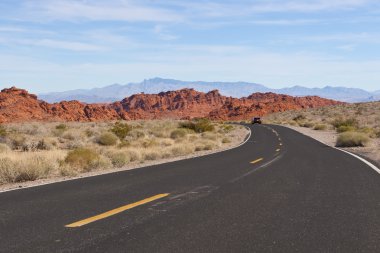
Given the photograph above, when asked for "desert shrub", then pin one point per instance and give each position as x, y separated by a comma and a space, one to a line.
3, 131
209, 136
352, 139
227, 128
43, 145
178, 133
344, 128
69, 136
24, 169
89, 132
208, 147
121, 130
62, 127
133, 155
226, 140
107, 139
17, 141
136, 134
152, 155
149, 143
320, 127
199, 125
345, 122
307, 124
118, 159
83, 158
299, 117
124, 144
181, 150
59, 130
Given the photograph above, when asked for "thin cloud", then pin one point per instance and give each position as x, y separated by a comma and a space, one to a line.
70, 10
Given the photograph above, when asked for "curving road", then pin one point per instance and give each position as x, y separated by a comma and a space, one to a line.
279, 192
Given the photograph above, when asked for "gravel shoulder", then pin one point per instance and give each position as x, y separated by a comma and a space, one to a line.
239, 135
328, 137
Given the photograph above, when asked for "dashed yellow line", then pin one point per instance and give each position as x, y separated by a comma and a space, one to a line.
277, 150
257, 160
115, 211
280, 144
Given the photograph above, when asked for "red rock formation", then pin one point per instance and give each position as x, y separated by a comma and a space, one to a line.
17, 105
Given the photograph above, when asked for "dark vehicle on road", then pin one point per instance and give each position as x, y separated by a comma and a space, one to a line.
256, 120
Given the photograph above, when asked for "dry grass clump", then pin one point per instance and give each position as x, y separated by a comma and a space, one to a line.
82, 159
27, 167
199, 125
107, 139
320, 127
352, 139
32, 151
118, 158
178, 133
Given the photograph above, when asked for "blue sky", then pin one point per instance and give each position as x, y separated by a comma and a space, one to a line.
54, 45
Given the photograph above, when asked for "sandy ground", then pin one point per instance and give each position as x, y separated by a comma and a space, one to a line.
239, 135
372, 151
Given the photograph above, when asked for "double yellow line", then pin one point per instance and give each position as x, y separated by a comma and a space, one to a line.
115, 211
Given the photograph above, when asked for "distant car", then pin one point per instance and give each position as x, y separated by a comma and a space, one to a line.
256, 120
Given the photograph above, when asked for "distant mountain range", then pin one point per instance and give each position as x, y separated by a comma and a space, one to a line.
117, 92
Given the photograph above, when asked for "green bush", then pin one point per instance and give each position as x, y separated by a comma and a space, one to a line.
178, 133
299, 117
343, 128
61, 127
107, 139
83, 158
352, 139
121, 130
320, 127
3, 131
198, 126
345, 122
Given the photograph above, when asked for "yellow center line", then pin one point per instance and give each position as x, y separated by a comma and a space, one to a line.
278, 150
115, 211
280, 144
257, 160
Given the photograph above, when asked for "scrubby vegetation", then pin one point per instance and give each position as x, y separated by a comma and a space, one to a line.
40, 150
357, 120
352, 139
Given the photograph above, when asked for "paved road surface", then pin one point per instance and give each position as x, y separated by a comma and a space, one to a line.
301, 196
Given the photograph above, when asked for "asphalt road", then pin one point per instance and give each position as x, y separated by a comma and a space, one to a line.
301, 196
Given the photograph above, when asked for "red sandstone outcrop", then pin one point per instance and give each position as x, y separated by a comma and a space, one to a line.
17, 105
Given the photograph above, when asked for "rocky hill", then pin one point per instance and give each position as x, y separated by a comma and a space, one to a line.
117, 92
17, 105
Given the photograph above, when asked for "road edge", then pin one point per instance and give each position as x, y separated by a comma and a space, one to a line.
365, 161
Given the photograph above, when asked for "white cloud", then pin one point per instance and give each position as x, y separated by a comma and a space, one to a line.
72, 10
55, 44
308, 6
285, 22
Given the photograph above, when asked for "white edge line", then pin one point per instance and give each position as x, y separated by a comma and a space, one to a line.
347, 152
76, 178
361, 159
